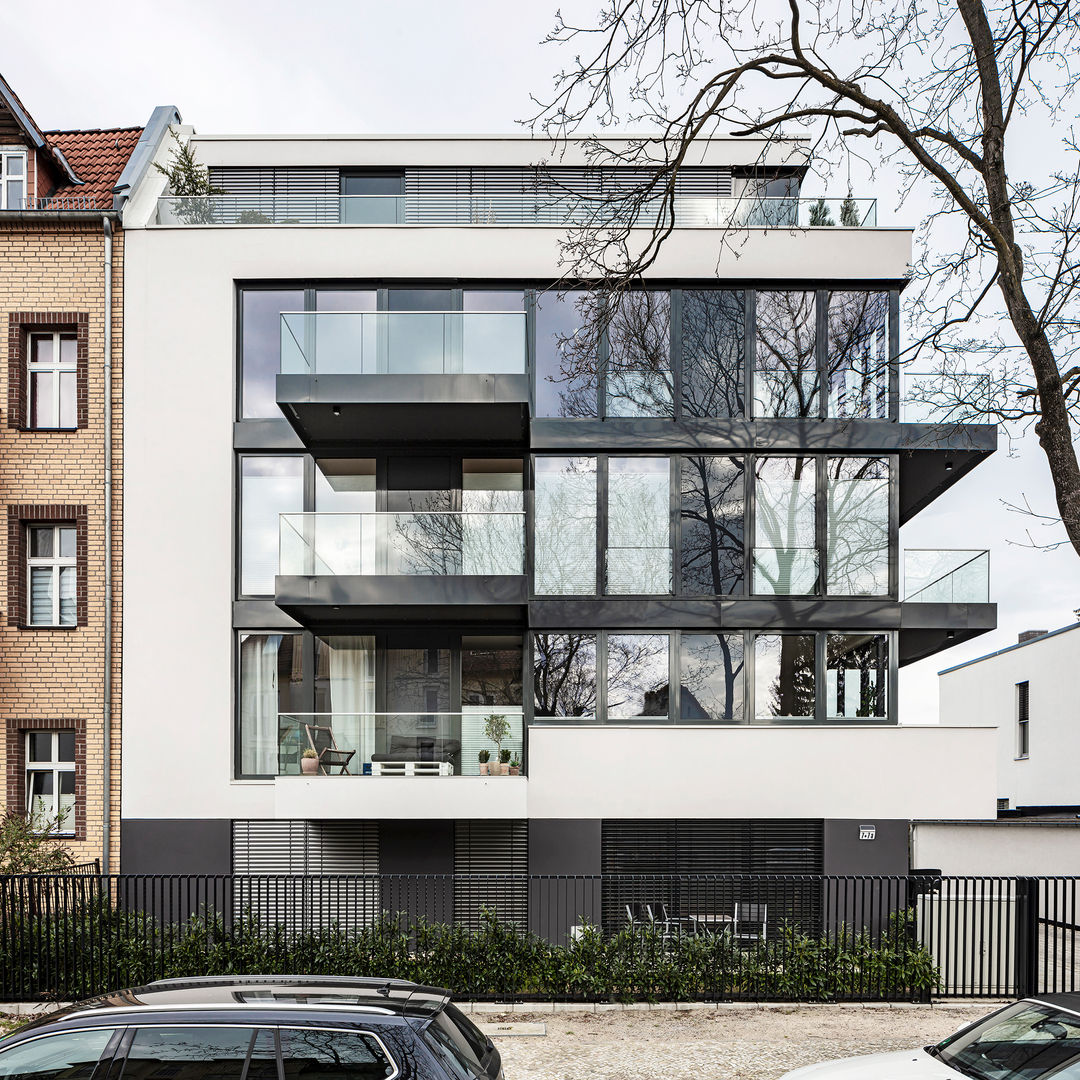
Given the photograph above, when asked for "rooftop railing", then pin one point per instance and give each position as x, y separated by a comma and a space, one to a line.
90, 203
412, 744
402, 342
946, 577
444, 544
541, 209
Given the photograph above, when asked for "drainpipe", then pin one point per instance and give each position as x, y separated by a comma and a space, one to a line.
106, 779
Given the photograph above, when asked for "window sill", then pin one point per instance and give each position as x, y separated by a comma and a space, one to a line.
47, 626
50, 430
1022, 757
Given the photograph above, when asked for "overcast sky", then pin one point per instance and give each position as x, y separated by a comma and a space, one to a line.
469, 66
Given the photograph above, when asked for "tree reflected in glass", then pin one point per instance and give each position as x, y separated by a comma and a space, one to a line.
785, 366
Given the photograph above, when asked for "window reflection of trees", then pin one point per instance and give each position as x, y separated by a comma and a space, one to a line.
565, 526
858, 368
785, 367
639, 378
344, 1055
712, 513
785, 555
639, 525
858, 526
713, 332
637, 676
857, 675
710, 677
784, 676
568, 329
564, 674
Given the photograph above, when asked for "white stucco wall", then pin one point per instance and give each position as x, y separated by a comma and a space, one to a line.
984, 692
1007, 848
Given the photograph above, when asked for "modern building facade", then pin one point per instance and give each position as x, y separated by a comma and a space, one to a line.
1025, 692
61, 473
398, 496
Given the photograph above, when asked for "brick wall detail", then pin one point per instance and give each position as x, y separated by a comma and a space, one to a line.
15, 748
19, 517
21, 324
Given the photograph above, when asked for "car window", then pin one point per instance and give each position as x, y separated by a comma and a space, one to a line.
308, 1053
453, 1049
68, 1056
469, 1031
183, 1052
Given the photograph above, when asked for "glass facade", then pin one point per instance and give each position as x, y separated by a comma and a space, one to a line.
713, 344
269, 486
784, 677
857, 517
785, 526
785, 365
712, 511
857, 676
568, 328
565, 526
639, 380
639, 525
710, 677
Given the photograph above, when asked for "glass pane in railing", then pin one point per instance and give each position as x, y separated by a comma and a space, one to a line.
945, 398
785, 571
344, 343
946, 577
492, 544
492, 342
423, 544
372, 209
415, 343
294, 352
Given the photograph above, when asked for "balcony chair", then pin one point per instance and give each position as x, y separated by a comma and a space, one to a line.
751, 923
321, 740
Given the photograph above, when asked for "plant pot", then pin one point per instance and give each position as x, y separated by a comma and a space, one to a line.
484, 768
309, 766
515, 770
504, 769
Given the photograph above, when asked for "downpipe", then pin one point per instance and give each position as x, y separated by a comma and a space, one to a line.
106, 778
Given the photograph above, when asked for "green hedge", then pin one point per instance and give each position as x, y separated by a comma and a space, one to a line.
96, 947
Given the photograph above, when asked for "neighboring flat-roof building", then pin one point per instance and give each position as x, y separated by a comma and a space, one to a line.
398, 498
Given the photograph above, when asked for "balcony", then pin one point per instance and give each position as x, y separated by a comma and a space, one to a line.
946, 600
464, 567
404, 376
542, 209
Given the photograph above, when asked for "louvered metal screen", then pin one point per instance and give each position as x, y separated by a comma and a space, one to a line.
282, 195
701, 869
491, 864
335, 865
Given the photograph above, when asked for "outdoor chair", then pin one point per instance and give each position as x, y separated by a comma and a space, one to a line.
671, 926
751, 923
322, 742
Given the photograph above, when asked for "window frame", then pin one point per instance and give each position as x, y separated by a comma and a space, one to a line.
56, 368
55, 766
56, 563
1023, 720
8, 154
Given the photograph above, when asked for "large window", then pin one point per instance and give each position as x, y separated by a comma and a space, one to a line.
711, 677
785, 524
271, 668
711, 512
12, 179
568, 328
638, 372
372, 198
857, 676
50, 779
565, 526
53, 575
858, 358
53, 381
638, 676
784, 677
261, 350
269, 486
639, 525
713, 336
785, 366
857, 520
564, 675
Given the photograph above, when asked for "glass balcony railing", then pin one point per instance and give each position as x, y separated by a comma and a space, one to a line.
403, 342
409, 744
785, 571
945, 398
555, 209
403, 544
946, 577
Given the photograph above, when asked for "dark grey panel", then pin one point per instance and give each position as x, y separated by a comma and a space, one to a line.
417, 847
176, 846
466, 598
886, 854
331, 410
926, 629
265, 435
564, 846
261, 615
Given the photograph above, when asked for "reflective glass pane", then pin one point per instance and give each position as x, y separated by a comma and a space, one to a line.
42, 349
857, 676
339, 344
345, 485
858, 526
567, 352
65, 746
638, 680
271, 682
712, 512
493, 343
785, 366
15, 194
639, 380
334, 1055
373, 198
418, 680
711, 677
41, 785
69, 349
68, 399
42, 538
71, 1056
42, 399
187, 1053
67, 541
261, 347
41, 596
491, 671
784, 677
785, 555
564, 675
41, 747
565, 540
269, 486
65, 802
16, 164
713, 332
639, 516
858, 368
68, 575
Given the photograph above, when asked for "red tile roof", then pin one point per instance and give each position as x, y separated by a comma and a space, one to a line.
97, 158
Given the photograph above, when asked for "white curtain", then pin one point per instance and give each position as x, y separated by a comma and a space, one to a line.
352, 695
259, 703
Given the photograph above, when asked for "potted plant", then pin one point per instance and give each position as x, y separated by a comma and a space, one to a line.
485, 757
504, 762
515, 767
497, 729
309, 762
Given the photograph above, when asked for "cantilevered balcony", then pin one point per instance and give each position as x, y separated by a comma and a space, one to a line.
404, 376
946, 600
464, 567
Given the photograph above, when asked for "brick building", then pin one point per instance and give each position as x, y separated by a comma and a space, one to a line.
61, 298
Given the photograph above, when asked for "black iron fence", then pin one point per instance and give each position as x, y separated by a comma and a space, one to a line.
527, 937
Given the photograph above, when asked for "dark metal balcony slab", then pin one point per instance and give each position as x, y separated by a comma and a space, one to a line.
926, 629
464, 599
336, 410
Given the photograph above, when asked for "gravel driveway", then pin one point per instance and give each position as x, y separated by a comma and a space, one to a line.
722, 1044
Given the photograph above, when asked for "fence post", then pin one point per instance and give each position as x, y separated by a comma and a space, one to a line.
1027, 936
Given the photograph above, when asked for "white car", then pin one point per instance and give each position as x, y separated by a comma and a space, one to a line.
1035, 1039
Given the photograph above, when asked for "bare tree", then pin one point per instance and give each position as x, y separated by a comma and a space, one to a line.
940, 90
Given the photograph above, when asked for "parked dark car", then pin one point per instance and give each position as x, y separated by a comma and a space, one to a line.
1033, 1039
275, 1027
